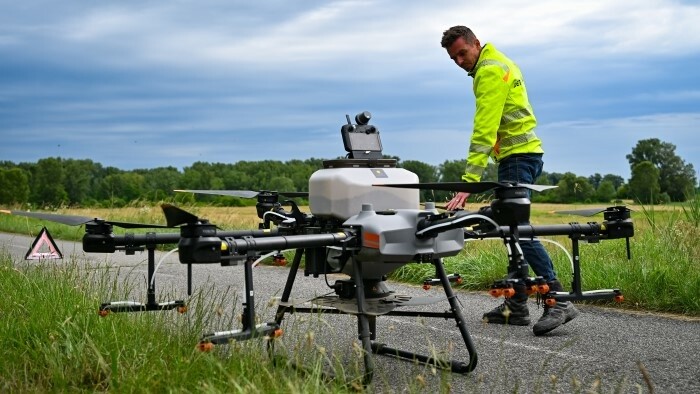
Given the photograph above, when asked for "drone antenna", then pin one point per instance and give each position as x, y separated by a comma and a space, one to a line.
348, 118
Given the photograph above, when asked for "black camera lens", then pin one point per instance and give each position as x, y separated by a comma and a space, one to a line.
363, 118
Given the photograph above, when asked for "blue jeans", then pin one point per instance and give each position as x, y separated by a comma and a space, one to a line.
525, 168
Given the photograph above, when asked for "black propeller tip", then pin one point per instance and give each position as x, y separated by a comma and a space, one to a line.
175, 216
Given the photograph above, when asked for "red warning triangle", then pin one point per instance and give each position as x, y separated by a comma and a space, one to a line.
43, 239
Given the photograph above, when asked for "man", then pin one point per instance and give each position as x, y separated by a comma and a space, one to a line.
504, 126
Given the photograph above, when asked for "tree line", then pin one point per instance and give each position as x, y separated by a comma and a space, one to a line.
658, 175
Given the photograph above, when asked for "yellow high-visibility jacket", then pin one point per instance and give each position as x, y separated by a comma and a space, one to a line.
504, 122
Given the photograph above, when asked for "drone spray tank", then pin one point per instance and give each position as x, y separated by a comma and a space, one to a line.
339, 190
343, 188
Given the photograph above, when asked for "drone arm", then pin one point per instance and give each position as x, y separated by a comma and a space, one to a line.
605, 230
531, 231
109, 243
287, 242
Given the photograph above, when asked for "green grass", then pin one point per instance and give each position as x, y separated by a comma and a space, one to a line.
53, 340
691, 210
663, 275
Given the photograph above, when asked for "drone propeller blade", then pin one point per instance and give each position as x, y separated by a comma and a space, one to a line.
537, 188
72, 220
581, 212
175, 216
593, 211
231, 193
243, 193
466, 187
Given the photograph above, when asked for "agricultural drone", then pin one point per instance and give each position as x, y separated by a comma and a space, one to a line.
365, 221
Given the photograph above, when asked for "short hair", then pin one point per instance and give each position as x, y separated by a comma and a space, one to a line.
453, 33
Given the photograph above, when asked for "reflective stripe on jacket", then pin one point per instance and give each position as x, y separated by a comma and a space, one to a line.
504, 122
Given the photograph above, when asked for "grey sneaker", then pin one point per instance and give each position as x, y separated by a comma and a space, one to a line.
554, 317
510, 312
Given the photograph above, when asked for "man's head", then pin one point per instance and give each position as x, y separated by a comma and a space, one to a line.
462, 46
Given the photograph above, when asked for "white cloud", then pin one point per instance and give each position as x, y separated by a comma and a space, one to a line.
218, 69
361, 33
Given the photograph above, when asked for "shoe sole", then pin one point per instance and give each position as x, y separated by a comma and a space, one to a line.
511, 322
574, 313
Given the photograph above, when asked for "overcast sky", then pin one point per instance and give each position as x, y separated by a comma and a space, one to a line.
145, 84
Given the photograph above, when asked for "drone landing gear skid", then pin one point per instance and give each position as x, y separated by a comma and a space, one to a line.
518, 273
367, 327
249, 328
576, 294
151, 303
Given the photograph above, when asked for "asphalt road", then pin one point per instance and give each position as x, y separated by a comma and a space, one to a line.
603, 350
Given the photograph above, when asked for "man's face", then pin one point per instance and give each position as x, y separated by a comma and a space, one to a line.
464, 55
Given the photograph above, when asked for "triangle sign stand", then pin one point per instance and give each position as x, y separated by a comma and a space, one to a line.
43, 239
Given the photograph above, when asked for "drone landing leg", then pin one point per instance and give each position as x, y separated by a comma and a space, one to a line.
363, 323
456, 312
286, 293
459, 318
517, 265
189, 279
577, 294
576, 283
151, 290
248, 318
249, 329
282, 308
151, 303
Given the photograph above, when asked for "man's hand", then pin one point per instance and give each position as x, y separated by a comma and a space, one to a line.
457, 201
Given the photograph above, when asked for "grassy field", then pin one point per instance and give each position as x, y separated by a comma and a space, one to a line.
52, 340
64, 346
663, 274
